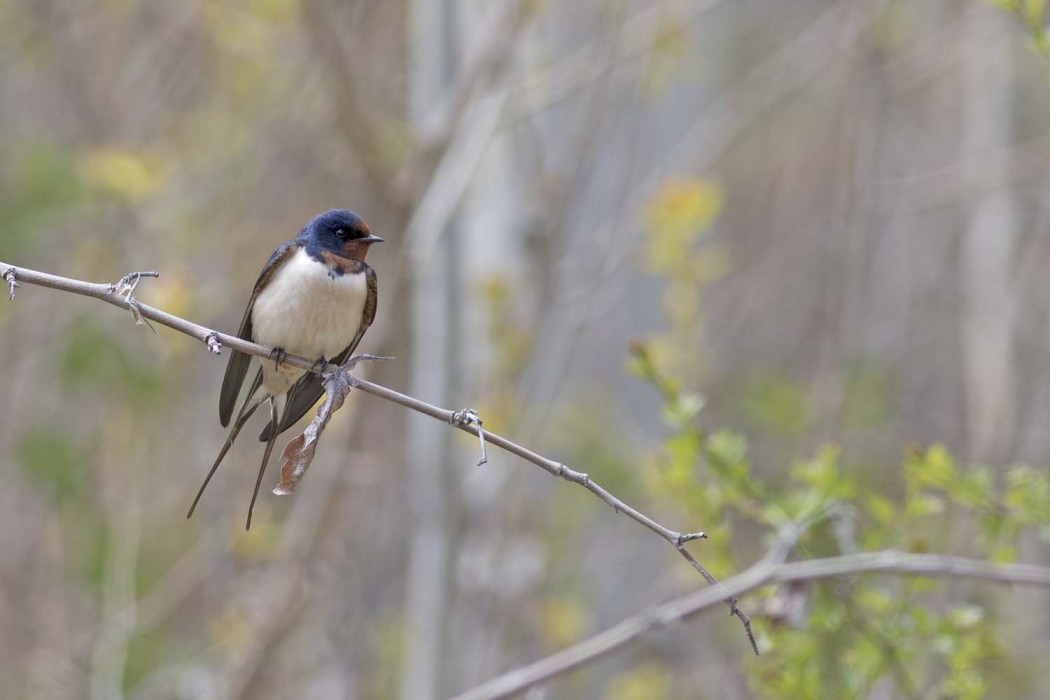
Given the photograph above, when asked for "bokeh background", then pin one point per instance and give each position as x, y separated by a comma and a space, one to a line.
829, 218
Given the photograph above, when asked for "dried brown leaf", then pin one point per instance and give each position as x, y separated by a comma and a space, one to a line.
298, 454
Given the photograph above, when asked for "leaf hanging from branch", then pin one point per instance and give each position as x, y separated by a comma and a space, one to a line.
298, 454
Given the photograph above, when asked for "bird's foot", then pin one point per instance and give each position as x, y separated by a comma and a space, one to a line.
278, 355
321, 365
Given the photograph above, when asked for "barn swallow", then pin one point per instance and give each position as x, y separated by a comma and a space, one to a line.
315, 297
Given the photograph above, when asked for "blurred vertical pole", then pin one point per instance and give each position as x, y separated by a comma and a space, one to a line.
988, 245
432, 64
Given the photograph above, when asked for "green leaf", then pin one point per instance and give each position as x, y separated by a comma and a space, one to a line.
973, 488
1028, 495
683, 454
1033, 11
966, 616
873, 600
727, 454
675, 218
924, 504
881, 508
933, 468
1003, 554
682, 410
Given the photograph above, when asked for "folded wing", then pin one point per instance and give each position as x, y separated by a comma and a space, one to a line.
237, 367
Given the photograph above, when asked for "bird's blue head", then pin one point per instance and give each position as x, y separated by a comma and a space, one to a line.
340, 231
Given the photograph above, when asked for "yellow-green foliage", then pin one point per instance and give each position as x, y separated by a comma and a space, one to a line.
1031, 13
833, 639
853, 633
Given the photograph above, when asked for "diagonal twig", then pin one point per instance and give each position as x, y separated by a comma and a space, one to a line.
109, 293
770, 570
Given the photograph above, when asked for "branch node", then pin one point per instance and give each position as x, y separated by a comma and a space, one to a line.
125, 288
468, 416
212, 341
11, 278
689, 537
655, 618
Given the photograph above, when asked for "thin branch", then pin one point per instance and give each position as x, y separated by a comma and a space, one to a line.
111, 294
487, 67
766, 572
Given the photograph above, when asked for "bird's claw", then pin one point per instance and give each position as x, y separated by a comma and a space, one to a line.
321, 365
278, 355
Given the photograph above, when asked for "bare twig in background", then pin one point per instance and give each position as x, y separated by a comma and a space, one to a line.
358, 123
678, 540
637, 35
766, 572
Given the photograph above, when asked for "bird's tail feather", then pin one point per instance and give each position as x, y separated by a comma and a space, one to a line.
251, 403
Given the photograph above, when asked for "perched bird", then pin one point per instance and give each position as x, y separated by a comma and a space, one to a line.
315, 297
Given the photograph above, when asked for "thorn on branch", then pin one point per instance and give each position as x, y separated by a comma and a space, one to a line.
468, 416
352, 362
12, 282
126, 288
212, 341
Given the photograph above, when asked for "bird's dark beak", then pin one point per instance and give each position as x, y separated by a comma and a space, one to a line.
371, 239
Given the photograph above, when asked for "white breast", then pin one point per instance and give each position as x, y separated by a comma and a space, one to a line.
308, 312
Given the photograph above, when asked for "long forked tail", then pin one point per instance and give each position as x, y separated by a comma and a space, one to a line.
248, 408
266, 458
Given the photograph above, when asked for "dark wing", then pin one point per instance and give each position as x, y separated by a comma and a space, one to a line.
237, 367
305, 392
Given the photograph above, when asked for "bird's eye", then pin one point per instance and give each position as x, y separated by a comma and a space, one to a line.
342, 233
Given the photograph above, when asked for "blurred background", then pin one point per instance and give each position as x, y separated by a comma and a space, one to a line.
828, 218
